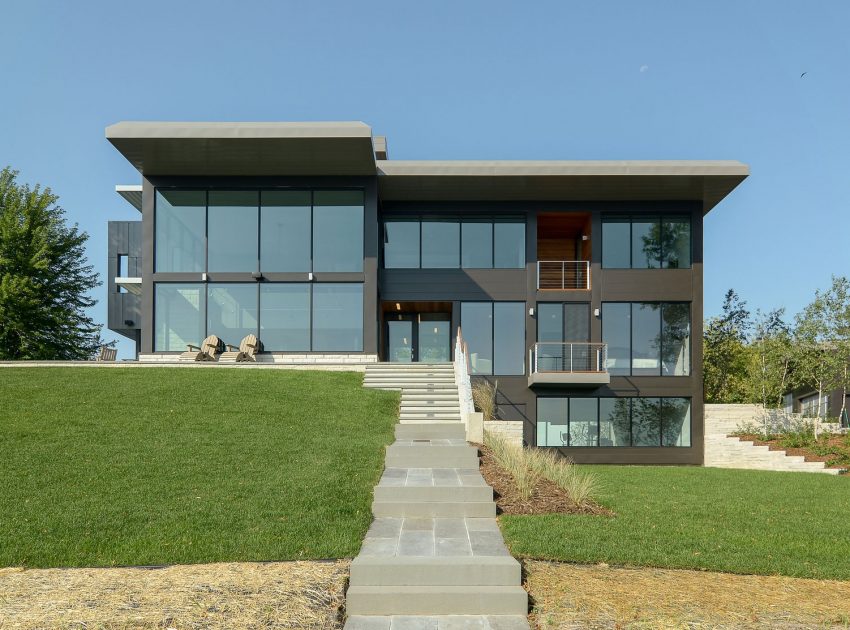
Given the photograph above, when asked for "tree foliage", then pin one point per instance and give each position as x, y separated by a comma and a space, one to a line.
44, 278
725, 353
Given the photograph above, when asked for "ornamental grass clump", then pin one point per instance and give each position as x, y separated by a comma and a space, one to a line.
514, 460
484, 398
580, 485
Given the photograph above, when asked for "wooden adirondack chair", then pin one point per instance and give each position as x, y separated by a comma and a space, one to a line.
247, 350
107, 354
208, 350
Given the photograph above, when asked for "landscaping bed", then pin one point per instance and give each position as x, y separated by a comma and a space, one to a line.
832, 449
232, 595
546, 498
150, 466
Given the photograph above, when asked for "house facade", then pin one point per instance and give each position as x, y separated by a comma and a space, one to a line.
576, 285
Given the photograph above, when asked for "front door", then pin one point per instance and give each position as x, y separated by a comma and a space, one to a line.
422, 337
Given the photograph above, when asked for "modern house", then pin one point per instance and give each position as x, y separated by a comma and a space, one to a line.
577, 284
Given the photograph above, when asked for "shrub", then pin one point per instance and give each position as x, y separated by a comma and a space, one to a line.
484, 398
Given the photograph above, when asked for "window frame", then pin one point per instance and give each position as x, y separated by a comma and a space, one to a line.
659, 215
493, 334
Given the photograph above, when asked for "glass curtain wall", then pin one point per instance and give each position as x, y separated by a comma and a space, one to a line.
232, 230
337, 231
285, 231
647, 338
646, 242
180, 316
593, 422
180, 231
495, 334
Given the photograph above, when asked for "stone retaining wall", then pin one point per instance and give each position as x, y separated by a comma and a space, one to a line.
511, 429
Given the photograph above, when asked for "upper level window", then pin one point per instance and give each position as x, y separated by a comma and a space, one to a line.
259, 230
495, 334
451, 243
647, 338
181, 230
646, 242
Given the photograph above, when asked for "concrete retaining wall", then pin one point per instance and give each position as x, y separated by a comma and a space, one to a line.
511, 429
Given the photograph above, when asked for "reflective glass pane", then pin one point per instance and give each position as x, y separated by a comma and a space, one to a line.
584, 422
676, 422
614, 422
232, 312
552, 422
401, 244
477, 245
576, 322
338, 317
434, 338
646, 243
509, 245
440, 244
616, 243
285, 231
400, 340
616, 332
179, 316
676, 243
646, 339
285, 317
476, 320
232, 228
181, 230
646, 422
509, 337
676, 339
550, 328
338, 231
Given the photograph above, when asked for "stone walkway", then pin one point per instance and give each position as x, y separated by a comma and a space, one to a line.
434, 557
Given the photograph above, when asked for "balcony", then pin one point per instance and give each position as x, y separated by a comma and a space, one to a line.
579, 363
563, 275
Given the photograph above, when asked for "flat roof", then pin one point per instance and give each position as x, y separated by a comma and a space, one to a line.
348, 149
132, 193
568, 180
245, 148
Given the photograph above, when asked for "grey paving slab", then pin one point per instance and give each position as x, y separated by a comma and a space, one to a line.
414, 623
482, 525
450, 528
418, 524
448, 547
416, 543
462, 622
484, 548
507, 622
385, 528
358, 622
379, 547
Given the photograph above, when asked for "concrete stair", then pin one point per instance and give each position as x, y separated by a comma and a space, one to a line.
434, 556
723, 451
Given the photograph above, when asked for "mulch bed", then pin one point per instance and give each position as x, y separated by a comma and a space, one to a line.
547, 497
774, 445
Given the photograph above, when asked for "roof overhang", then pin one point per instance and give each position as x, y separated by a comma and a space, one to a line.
132, 193
246, 148
651, 180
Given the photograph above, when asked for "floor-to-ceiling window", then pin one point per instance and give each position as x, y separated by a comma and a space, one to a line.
495, 334
646, 242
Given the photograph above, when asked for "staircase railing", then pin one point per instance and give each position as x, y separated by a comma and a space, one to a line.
464, 384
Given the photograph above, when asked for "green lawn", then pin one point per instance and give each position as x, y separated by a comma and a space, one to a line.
140, 466
795, 524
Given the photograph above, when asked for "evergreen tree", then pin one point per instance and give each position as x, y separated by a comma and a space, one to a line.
726, 355
44, 278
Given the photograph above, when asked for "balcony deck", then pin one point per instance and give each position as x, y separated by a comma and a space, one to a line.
568, 363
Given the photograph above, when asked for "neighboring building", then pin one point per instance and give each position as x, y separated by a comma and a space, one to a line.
578, 285
804, 400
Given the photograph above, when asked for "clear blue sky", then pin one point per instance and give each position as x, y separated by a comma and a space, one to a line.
467, 80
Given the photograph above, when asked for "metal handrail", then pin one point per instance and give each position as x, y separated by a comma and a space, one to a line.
563, 275
569, 356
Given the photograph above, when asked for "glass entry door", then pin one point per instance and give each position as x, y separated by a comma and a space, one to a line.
422, 337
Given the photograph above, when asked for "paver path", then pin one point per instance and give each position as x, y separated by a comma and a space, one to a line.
434, 557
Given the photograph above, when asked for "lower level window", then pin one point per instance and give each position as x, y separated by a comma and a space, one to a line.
574, 422
286, 317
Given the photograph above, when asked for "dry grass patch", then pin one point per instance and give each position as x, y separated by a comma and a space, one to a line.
226, 595
598, 596
484, 398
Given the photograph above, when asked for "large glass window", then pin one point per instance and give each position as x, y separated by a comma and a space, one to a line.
476, 321
440, 244
285, 231
508, 245
508, 338
338, 231
179, 316
591, 422
557, 324
647, 339
616, 246
495, 334
285, 317
232, 226
232, 311
401, 244
180, 230
477, 245
338, 317
449, 243
646, 242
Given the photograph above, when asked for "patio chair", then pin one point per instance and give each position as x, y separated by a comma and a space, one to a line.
247, 351
106, 354
208, 350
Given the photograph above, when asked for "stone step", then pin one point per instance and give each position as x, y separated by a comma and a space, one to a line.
412, 383
421, 509
443, 410
413, 396
432, 456
433, 494
430, 430
436, 600
437, 622
436, 415
427, 403
435, 571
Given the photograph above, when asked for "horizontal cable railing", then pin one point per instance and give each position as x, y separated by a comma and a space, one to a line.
553, 356
563, 274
